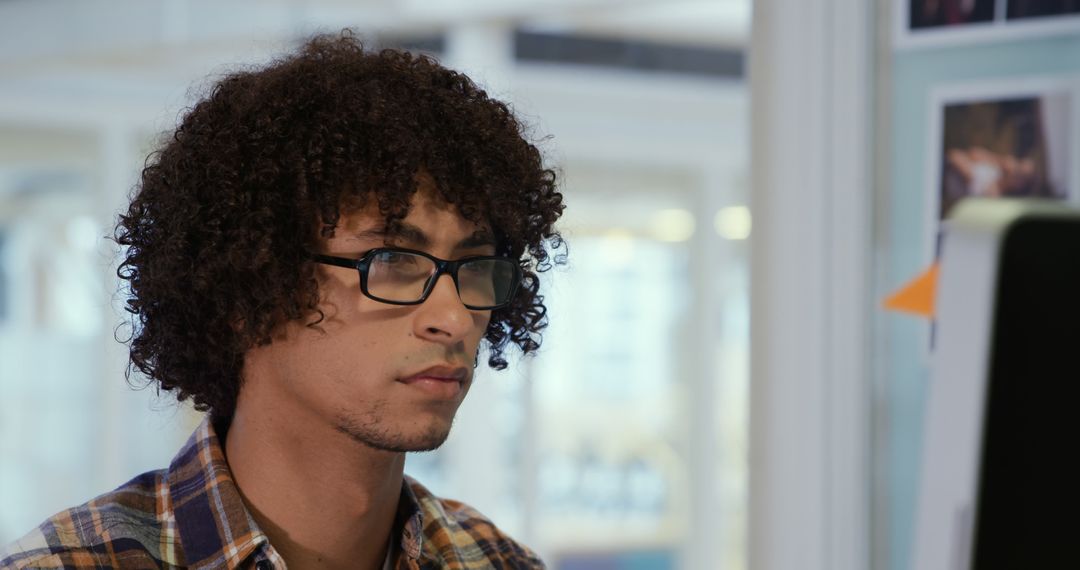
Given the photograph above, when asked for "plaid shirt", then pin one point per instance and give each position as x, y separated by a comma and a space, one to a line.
192, 516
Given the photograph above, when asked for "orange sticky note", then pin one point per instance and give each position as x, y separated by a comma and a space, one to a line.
918, 296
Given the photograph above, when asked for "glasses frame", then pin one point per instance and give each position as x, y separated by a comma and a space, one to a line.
442, 267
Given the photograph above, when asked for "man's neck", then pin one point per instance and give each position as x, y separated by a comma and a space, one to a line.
324, 500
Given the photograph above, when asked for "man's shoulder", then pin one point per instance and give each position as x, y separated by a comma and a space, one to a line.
456, 532
120, 528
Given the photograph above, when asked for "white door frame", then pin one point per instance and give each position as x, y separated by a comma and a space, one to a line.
810, 273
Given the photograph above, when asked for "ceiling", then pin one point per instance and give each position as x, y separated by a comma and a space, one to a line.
75, 60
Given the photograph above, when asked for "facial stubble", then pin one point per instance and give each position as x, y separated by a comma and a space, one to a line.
371, 430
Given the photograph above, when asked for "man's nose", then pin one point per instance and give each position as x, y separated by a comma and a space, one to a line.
442, 317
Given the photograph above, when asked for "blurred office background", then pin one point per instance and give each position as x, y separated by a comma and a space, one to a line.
718, 390
623, 445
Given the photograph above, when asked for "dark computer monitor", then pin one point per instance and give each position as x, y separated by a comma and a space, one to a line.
999, 488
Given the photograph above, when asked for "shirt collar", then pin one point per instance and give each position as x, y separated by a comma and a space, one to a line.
410, 519
215, 528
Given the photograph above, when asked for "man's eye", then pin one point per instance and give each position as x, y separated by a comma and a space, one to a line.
395, 258
476, 268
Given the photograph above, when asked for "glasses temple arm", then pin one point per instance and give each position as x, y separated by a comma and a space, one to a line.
332, 260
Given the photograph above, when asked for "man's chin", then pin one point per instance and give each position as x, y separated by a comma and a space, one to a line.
427, 438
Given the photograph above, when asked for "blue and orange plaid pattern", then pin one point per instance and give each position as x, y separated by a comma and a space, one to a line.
191, 515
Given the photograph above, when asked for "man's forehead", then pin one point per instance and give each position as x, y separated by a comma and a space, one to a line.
428, 217
422, 215
427, 223
406, 232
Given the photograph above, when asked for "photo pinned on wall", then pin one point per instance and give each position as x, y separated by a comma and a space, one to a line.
938, 13
1020, 9
998, 139
945, 23
994, 142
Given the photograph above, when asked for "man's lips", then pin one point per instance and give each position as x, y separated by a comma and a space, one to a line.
438, 373
440, 381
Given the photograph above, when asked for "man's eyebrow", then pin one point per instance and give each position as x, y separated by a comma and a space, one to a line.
479, 238
410, 234
403, 232
373, 234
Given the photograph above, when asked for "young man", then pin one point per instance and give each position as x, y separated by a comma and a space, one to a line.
314, 258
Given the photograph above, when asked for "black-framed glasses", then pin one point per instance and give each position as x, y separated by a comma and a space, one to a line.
406, 277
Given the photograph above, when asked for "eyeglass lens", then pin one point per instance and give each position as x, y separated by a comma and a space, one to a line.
401, 276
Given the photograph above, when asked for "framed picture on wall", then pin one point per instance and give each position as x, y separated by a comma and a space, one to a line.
1021, 9
1014, 139
924, 14
947, 23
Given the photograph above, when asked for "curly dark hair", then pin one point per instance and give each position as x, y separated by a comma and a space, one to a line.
218, 228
